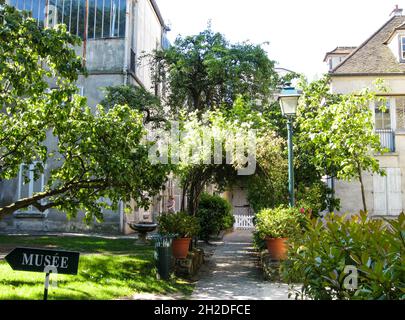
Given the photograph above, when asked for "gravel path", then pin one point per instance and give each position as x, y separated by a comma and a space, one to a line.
232, 273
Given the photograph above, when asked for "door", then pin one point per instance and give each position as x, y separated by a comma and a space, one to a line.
394, 198
388, 193
380, 195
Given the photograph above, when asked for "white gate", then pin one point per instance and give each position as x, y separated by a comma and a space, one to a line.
243, 218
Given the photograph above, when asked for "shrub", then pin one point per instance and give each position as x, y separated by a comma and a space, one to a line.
281, 222
316, 198
214, 214
180, 224
375, 248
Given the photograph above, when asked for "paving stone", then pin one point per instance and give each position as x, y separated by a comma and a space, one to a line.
233, 273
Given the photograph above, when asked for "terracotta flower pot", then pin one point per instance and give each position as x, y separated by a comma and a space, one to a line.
277, 248
180, 247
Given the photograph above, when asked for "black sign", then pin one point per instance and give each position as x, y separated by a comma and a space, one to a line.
39, 260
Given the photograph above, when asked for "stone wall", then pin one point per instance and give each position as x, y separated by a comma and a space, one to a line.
270, 268
189, 266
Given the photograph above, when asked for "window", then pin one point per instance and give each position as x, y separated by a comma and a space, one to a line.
402, 44
29, 184
105, 18
35, 7
382, 116
80, 90
400, 112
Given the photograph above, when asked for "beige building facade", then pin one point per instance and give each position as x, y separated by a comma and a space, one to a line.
382, 56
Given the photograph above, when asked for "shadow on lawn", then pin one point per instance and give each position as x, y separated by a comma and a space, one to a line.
82, 244
101, 276
108, 269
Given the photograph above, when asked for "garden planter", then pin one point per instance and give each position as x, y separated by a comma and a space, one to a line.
180, 247
277, 248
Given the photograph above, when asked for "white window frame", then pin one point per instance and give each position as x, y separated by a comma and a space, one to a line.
392, 106
395, 113
30, 209
80, 90
401, 47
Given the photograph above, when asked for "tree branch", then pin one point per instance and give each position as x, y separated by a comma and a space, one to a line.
34, 200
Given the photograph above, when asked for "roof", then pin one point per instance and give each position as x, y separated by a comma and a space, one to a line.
374, 56
399, 28
340, 51
158, 13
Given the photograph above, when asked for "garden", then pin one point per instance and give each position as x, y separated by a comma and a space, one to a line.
108, 269
227, 89
334, 257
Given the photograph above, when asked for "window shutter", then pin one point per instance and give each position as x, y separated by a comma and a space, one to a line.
380, 195
394, 191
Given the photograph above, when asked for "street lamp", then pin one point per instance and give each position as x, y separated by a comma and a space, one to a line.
288, 99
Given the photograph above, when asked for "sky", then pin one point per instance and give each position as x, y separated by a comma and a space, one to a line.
299, 32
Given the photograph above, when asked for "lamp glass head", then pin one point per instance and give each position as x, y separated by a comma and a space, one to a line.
288, 99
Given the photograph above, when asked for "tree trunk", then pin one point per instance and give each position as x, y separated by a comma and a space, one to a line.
363, 196
183, 197
196, 180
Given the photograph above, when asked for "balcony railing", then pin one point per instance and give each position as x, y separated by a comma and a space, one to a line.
387, 138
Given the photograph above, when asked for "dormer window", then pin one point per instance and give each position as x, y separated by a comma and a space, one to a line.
402, 44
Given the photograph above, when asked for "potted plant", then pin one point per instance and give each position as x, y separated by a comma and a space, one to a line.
183, 226
276, 226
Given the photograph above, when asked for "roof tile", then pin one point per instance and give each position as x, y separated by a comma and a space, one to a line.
373, 56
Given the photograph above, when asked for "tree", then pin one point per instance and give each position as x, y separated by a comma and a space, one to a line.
100, 160
97, 159
267, 188
136, 98
29, 56
205, 71
338, 131
200, 161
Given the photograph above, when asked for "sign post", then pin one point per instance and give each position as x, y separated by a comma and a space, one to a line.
39, 260
46, 286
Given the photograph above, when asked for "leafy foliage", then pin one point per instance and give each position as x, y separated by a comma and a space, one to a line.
316, 198
267, 188
205, 71
337, 131
280, 222
180, 224
214, 214
136, 98
29, 56
219, 127
90, 157
97, 156
374, 247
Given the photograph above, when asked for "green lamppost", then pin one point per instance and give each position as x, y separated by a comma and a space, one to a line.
288, 99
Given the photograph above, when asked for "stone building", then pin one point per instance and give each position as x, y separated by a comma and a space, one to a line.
115, 34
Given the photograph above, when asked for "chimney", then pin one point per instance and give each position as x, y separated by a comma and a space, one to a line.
396, 12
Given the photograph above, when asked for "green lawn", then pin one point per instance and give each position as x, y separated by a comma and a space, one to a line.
108, 269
